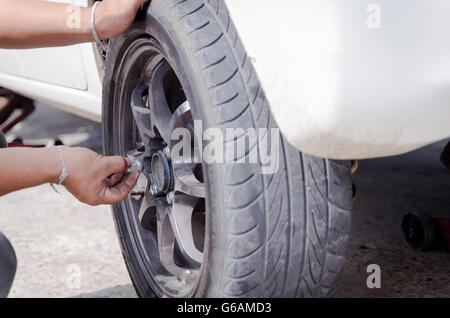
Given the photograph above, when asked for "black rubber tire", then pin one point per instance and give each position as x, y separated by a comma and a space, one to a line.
445, 156
419, 231
279, 235
3, 142
8, 265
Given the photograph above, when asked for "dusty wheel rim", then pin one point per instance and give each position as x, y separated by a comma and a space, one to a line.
166, 211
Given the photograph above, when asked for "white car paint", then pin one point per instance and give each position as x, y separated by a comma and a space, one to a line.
59, 66
64, 77
339, 86
84, 101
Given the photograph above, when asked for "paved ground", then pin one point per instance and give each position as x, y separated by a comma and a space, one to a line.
67, 249
388, 189
64, 248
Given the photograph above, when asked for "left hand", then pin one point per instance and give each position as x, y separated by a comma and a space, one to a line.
113, 17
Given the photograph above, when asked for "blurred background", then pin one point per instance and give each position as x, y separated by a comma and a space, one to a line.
68, 249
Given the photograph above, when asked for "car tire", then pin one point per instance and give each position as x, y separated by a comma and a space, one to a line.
282, 234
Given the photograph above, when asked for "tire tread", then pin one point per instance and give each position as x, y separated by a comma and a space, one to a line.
278, 216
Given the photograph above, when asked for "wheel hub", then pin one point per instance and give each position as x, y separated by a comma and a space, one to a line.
161, 171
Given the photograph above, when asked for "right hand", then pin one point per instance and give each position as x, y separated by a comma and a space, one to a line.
95, 179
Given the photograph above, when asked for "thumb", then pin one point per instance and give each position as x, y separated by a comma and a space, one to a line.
115, 164
121, 190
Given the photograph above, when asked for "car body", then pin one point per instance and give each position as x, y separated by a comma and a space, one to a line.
345, 80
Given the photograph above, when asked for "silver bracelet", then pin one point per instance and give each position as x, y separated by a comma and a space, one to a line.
64, 173
101, 43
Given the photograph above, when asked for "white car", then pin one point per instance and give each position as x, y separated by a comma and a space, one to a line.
345, 80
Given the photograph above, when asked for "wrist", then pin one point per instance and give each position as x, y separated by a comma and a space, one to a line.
83, 31
86, 18
56, 163
99, 21
53, 164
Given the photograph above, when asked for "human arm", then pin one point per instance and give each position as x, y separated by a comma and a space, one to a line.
92, 178
36, 23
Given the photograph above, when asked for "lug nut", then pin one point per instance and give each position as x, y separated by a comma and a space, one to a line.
169, 197
153, 190
136, 165
166, 152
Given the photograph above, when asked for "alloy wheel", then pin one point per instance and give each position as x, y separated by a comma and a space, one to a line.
166, 209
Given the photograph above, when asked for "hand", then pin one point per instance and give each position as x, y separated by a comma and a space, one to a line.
113, 17
95, 179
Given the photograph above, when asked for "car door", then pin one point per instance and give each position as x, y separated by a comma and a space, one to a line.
62, 66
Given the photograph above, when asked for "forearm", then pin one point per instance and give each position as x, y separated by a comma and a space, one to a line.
22, 168
35, 23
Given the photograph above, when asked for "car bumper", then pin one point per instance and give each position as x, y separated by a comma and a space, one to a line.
352, 79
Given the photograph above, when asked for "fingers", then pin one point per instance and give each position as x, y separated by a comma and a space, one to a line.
115, 164
114, 179
121, 190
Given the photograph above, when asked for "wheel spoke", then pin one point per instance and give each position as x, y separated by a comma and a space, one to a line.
178, 119
157, 100
166, 246
180, 215
182, 118
186, 182
141, 186
146, 212
141, 113
166, 240
144, 205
